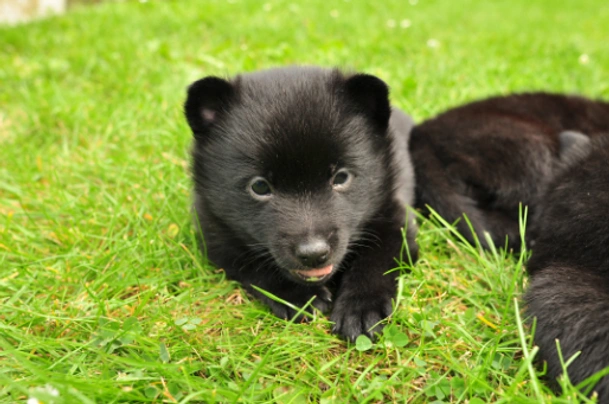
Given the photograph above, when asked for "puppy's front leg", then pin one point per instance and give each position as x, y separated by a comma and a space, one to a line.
365, 294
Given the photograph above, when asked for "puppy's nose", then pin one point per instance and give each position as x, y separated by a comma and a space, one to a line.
313, 253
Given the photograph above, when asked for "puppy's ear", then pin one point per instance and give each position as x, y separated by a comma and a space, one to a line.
207, 100
370, 97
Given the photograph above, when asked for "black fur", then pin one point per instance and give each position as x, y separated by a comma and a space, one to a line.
569, 268
485, 158
267, 148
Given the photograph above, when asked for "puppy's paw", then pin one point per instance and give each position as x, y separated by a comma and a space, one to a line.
298, 296
357, 314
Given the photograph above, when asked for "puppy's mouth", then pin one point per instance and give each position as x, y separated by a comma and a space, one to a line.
314, 275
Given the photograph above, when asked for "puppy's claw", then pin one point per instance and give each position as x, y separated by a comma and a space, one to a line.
361, 315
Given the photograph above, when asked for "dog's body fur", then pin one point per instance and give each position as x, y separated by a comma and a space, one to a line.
569, 268
485, 158
298, 172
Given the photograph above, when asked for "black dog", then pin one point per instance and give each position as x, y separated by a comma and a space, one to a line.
301, 179
486, 158
569, 268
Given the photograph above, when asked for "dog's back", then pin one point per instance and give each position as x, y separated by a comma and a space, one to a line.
485, 158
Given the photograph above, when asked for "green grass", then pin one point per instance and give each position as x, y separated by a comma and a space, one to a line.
103, 295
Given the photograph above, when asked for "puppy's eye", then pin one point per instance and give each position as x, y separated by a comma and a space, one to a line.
260, 188
341, 179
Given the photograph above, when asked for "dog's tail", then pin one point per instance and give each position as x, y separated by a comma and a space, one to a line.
572, 307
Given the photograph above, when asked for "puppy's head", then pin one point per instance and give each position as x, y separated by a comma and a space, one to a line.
293, 160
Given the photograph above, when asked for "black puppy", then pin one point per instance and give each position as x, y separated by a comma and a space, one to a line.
301, 182
485, 158
569, 268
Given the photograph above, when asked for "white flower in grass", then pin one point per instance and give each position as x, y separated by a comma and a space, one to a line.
405, 23
584, 59
433, 43
334, 13
48, 390
52, 390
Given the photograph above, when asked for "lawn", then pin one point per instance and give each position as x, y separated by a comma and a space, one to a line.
104, 297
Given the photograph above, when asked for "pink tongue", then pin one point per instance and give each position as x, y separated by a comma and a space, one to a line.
316, 272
